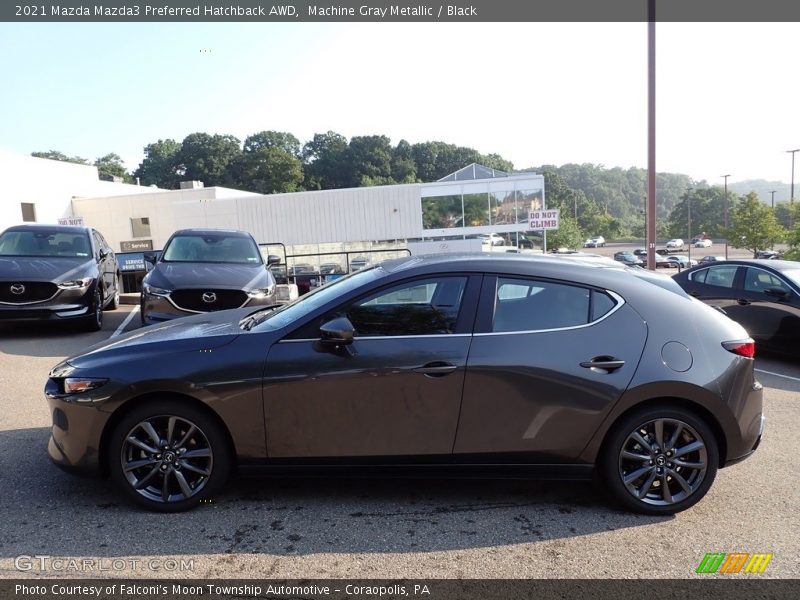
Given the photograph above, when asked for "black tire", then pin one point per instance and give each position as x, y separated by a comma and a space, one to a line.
167, 479
114, 303
651, 478
94, 321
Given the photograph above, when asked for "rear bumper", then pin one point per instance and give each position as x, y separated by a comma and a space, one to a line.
756, 444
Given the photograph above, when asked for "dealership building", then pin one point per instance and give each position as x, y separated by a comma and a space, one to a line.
473, 200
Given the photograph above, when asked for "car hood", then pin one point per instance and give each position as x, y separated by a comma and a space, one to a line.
188, 334
205, 275
43, 268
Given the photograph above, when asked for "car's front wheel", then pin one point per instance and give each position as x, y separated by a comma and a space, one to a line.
660, 461
169, 456
94, 320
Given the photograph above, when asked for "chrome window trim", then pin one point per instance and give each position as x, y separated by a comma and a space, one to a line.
386, 337
620, 302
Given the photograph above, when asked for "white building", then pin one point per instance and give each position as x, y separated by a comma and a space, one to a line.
457, 206
41, 190
470, 201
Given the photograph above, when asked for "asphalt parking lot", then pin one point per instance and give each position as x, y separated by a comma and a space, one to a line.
373, 528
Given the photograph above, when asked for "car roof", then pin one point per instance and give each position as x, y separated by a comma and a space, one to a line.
55, 227
205, 231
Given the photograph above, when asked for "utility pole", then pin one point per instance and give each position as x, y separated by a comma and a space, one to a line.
773, 198
650, 230
689, 220
791, 193
725, 177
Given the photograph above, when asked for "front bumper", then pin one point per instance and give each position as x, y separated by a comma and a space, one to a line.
76, 432
67, 304
157, 309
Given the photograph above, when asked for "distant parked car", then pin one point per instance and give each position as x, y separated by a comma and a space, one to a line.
597, 241
628, 258
491, 239
710, 259
681, 261
767, 254
205, 270
330, 269
640, 252
57, 272
762, 295
675, 244
702, 243
663, 261
358, 263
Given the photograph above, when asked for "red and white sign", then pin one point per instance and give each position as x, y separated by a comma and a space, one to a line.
543, 219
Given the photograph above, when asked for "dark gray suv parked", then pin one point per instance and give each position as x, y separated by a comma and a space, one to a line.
205, 270
57, 272
506, 365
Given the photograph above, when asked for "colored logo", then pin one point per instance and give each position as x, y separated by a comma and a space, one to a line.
734, 562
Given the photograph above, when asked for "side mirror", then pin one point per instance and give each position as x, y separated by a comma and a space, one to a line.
151, 258
273, 260
777, 292
103, 253
337, 332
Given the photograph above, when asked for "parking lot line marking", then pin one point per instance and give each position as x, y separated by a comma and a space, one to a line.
777, 374
127, 320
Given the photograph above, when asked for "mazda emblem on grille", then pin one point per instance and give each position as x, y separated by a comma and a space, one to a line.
18, 289
209, 297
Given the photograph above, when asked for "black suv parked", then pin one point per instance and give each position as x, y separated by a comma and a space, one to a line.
57, 272
204, 270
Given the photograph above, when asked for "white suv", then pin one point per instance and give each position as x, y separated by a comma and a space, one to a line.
597, 241
675, 244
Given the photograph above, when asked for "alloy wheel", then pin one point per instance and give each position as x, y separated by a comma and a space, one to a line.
663, 462
166, 459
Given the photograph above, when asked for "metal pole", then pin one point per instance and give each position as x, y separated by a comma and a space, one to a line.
650, 233
773, 198
725, 177
689, 220
791, 193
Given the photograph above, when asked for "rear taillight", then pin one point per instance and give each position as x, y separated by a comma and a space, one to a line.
746, 348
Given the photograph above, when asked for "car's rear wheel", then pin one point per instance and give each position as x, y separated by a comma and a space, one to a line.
169, 456
660, 461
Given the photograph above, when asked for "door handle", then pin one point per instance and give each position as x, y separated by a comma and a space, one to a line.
694, 293
603, 363
436, 369
742, 302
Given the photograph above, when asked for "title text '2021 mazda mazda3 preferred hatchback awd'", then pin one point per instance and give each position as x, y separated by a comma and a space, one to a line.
204, 270
57, 272
497, 362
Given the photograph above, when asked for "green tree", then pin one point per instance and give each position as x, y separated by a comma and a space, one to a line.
267, 168
708, 212
273, 139
404, 169
370, 158
111, 165
161, 166
209, 158
568, 234
56, 155
753, 225
325, 162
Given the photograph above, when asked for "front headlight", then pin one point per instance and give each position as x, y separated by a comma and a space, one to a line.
76, 284
155, 291
76, 385
261, 292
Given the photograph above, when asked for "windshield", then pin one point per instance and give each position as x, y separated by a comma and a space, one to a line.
212, 248
289, 313
50, 243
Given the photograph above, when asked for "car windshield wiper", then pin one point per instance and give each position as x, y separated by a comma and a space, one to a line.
257, 317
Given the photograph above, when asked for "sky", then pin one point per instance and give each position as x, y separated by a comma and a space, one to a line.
728, 94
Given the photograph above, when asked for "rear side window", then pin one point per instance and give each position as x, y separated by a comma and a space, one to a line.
523, 305
757, 280
720, 276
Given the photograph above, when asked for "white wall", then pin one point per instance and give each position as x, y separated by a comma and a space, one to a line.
359, 214
50, 185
